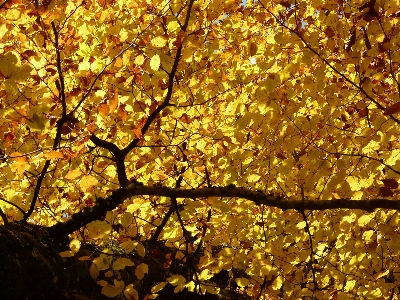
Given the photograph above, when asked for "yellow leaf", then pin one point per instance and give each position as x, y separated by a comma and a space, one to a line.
98, 229
158, 287
82, 258
128, 246
301, 225
242, 282
13, 14
159, 41
205, 274
130, 293
176, 279
179, 288
73, 174
87, 181
141, 250
8, 62
84, 66
102, 282
276, 285
67, 253
3, 30
139, 60
75, 245
94, 272
141, 270
103, 262
364, 220
112, 290
381, 274
53, 154
20, 166
121, 263
173, 26
350, 284
155, 62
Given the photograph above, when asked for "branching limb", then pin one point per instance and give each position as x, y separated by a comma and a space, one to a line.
64, 118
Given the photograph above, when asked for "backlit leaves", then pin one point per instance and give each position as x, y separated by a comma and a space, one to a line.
155, 62
297, 99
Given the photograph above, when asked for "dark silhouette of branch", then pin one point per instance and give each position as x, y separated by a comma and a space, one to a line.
60, 123
168, 96
134, 189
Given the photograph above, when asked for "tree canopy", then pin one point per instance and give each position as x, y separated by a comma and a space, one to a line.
255, 140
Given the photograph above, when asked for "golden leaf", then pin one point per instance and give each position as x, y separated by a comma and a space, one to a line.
155, 62
159, 41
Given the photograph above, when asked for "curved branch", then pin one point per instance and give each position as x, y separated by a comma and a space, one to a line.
13, 204
136, 189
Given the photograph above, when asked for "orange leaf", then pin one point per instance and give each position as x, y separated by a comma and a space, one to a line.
113, 102
103, 109
137, 132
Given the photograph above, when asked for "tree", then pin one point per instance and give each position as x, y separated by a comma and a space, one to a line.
249, 150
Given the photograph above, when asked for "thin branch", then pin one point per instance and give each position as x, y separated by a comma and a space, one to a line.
13, 204
311, 262
168, 96
64, 118
347, 79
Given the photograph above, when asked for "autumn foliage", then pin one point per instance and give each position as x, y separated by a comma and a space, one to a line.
259, 141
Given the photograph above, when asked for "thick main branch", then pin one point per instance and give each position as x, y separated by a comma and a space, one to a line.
103, 205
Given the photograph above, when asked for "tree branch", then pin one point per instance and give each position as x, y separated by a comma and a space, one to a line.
103, 205
168, 96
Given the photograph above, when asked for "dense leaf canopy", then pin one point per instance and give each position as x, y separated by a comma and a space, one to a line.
258, 138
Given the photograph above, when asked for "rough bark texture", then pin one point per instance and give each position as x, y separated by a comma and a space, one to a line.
31, 268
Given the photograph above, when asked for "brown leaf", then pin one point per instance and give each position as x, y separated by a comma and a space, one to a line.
385, 192
395, 108
390, 183
281, 156
253, 49
329, 32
